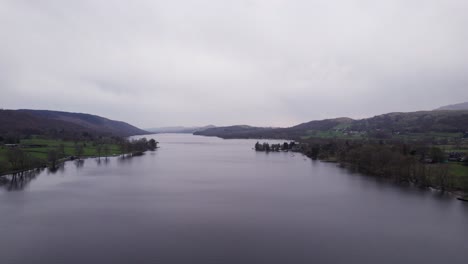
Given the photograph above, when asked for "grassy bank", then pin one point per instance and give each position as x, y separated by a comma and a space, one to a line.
459, 173
38, 154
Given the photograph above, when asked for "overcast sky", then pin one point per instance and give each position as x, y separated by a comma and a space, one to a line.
159, 63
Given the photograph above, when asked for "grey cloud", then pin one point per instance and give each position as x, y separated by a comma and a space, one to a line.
159, 63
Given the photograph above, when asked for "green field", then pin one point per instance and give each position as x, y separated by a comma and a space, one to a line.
459, 172
41, 153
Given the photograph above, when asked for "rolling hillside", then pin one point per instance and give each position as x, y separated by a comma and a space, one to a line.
61, 123
416, 122
244, 131
178, 129
422, 122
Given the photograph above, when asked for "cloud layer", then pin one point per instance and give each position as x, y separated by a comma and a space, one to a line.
158, 63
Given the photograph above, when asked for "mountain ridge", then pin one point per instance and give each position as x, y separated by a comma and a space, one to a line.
440, 121
28, 121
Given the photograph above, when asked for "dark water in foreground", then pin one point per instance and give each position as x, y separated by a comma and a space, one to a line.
207, 200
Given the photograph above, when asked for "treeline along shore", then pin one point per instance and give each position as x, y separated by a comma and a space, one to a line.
41, 138
37, 151
417, 163
425, 148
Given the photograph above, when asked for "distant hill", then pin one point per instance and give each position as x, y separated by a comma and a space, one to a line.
243, 131
461, 106
27, 121
179, 129
414, 122
237, 131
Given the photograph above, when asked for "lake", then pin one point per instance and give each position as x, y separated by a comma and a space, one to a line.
207, 200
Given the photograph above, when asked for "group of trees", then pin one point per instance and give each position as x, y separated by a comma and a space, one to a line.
18, 158
9, 139
419, 164
274, 147
136, 147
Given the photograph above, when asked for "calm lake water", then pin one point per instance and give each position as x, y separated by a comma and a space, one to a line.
208, 200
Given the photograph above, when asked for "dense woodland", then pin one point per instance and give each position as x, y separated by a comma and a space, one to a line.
428, 125
418, 163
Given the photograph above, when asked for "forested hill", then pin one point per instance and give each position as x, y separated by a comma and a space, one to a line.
416, 122
243, 131
56, 123
387, 125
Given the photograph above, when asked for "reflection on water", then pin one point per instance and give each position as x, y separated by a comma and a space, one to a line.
123, 159
59, 169
79, 163
18, 181
102, 161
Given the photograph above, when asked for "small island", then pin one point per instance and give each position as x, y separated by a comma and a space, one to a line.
266, 147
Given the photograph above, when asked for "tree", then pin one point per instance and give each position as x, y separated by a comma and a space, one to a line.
17, 158
437, 155
61, 150
106, 150
292, 144
52, 157
79, 150
99, 150
313, 151
442, 177
152, 144
258, 146
13, 157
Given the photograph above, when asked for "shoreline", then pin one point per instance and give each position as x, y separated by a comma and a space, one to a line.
458, 194
63, 160
44, 166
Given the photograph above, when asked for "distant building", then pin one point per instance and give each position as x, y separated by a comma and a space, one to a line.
456, 156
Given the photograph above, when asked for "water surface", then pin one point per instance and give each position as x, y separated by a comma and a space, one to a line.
208, 200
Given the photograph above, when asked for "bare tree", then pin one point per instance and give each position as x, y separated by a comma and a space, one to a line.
106, 150
79, 150
52, 157
99, 150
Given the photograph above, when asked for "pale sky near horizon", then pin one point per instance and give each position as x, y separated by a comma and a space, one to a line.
267, 63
